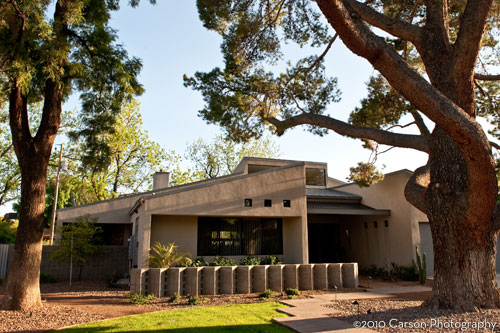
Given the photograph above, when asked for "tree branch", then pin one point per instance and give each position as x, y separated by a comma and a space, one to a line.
486, 77
420, 123
390, 25
416, 187
383, 137
466, 48
417, 90
81, 40
437, 21
495, 145
19, 125
317, 61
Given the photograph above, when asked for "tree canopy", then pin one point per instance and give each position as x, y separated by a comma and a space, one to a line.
221, 156
49, 50
435, 60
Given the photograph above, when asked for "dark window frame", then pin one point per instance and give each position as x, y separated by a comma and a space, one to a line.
239, 236
315, 180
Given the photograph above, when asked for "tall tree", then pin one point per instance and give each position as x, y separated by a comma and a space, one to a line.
221, 156
46, 52
133, 157
430, 60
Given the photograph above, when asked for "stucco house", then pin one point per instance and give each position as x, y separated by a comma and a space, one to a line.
290, 209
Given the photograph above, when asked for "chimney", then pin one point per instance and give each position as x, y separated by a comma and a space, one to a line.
161, 180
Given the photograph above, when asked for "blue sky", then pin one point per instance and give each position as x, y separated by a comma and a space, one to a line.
171, 41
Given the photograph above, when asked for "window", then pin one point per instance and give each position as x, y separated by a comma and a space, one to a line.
248, 202
315, 177
239, 236
256, 167
268, 203
287, 203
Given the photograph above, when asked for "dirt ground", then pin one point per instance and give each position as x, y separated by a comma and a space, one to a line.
87, 301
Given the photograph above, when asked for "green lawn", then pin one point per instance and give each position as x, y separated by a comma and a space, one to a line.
254, 317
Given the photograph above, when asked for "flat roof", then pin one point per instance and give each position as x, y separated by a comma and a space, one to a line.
328, 193
339, 208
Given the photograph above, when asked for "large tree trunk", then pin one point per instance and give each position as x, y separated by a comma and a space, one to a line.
33, 154
23, 290
462, 231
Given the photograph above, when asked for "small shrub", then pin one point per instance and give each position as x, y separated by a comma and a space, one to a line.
47, 278
175, 299
139, 299
165, 256
266, 294
409, 273
291, 292
199, 262
249, 261
222, 261
194, 300
271, 260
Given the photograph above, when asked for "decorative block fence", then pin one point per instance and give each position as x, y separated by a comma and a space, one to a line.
219, 280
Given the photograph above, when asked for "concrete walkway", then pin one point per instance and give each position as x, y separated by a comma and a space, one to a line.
310, 315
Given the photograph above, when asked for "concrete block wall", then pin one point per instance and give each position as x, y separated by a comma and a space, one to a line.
209, 281
242, 279
291, 276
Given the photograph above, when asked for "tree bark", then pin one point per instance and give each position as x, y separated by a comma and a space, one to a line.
463, 236
33, 153
23, 290
459, 191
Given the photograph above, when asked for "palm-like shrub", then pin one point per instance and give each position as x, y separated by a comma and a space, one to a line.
165, 256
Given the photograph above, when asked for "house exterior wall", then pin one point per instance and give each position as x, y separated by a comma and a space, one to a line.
177, 212
179, 229
398, 241
367, 246
108, 211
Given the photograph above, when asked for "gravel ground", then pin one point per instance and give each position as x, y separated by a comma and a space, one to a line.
396, 315
88, 301
51, 316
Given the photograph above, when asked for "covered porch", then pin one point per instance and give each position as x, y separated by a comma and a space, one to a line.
341, 229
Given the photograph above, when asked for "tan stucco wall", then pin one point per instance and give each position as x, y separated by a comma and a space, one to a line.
383, 245
295, 241
110, 211
144, 237
179, 229
226, 198
183, 231
368, 246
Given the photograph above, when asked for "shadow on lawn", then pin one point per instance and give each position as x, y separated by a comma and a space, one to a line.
237, 328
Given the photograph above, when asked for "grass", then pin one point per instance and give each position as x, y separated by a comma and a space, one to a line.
254, 317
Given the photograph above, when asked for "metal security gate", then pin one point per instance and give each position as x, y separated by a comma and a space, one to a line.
4, 260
